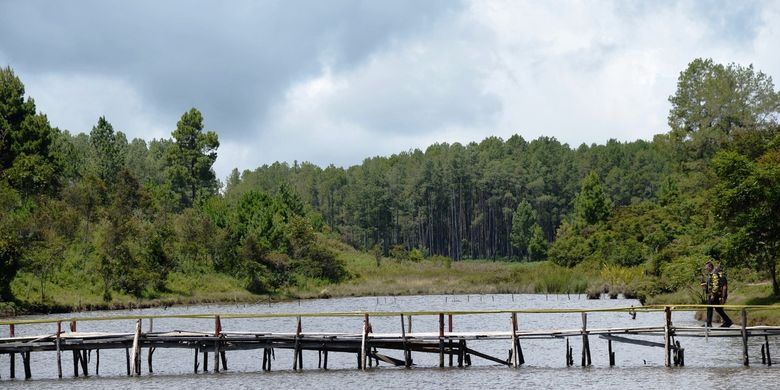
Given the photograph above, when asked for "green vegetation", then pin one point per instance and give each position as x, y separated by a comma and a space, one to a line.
95, 220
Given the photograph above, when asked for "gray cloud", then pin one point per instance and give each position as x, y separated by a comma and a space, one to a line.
336, 81
230, 61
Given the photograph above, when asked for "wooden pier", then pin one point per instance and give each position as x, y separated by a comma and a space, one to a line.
210, 349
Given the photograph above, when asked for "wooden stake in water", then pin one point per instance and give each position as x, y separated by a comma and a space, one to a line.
745, 358
59, 353
135, 363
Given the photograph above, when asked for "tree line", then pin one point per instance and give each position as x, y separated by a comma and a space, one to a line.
95, 209
123, 216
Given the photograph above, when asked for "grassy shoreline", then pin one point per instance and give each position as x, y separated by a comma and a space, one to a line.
391, 278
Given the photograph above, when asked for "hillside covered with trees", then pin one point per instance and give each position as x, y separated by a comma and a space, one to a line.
140, 219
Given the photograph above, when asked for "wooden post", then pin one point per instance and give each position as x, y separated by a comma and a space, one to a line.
84, 366
441, 339
217, 332
205, 360
195, 363
296, 350
13, 355
515, 357
449, 318
135, 365
362, 361
76, 355
97, 362
325, 356
768, 355
127, 360
59, 352
745, 358
585, 343
610, 353
668, 336
265, 358
407, 352
26, 362
151, 350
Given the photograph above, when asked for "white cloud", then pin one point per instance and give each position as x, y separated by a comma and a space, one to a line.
75, 102
580, 71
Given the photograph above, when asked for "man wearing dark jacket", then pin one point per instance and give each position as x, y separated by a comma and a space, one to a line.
717, 290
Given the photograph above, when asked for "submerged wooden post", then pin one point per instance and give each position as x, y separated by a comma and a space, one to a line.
515, 358
610, 354
449, 322
768, 355
407, 351
127, 360
195, 363
59, 352
76, 355
585, 343
26, 363
745, 358
217, 332
363, 344
151, 349
13, 355
668, 336
297, 355
97, 362
84, 366
135, 365
441, 339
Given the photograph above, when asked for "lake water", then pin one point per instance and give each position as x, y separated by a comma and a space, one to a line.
710, 363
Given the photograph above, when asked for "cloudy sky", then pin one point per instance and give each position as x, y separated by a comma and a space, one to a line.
336, 81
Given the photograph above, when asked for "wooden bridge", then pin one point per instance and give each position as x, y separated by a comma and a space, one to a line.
369, 348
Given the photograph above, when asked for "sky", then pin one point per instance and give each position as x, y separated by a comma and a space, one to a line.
337, 81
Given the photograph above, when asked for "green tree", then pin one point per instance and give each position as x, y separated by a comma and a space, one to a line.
523, 224
746, 200
537, 246
591, 204
714, 102
191, 159
109, 151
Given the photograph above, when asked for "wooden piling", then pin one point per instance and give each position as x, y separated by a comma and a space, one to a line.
363, 357
127, 360
26, 363
768, 355
59, 352
449, 343
151, 349
745, 358
135, 365
217, 332
13, 355
611, 354
324, 356
195, 361
407, 351
84, 365
441, 339
297, 348
97, 362
76, 355
668, 336
585, 342
205, 360
515, 358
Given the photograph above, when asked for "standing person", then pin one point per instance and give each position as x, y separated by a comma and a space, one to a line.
717, 290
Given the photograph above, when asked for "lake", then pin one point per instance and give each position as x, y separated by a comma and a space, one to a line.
710, 363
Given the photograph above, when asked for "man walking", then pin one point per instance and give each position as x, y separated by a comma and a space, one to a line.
717, 291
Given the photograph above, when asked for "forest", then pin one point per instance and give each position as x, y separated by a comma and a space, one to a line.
140, 218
